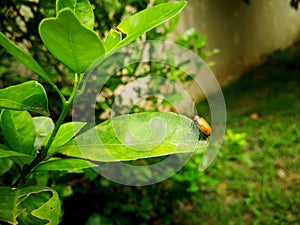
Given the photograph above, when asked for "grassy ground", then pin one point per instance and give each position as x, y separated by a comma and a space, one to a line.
259, 164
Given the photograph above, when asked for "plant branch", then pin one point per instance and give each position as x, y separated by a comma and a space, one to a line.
62, 97
42, 154
66, 107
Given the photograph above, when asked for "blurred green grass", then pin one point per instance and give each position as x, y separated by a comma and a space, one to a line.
259, 163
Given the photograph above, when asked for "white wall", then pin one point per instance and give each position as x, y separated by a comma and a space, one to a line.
243, 33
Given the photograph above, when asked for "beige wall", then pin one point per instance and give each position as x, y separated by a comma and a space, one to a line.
243, 33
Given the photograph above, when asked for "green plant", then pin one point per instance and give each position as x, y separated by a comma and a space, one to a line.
35, 144
197, 43
19, 21
20, 18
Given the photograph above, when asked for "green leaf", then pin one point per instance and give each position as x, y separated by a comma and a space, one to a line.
42, 128
8, 205
23, 57
82, 9
135, 136
5, 165
113, 38
96, 219
18, 130
68, 164
65, 133
136, 25
29, 96
29, 205
70, 42
8, 153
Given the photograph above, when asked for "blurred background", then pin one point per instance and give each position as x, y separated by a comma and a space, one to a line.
253, 49
245, 32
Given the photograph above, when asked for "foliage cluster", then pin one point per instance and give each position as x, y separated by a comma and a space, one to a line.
44, 181
31, 142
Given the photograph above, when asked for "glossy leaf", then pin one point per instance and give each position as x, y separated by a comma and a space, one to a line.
29, 205
18, 130
20, 158
23, 57
42, 128
69, 164
113, 38
82, 9
71, 42
29, 96
9, 153
135, 136
65, 133
138, 24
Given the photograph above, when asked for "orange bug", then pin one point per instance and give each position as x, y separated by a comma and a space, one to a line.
202, 124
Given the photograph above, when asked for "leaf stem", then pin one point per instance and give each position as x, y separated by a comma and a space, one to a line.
66, 107
62, 97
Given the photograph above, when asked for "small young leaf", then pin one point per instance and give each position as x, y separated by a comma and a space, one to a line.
135, 136
29, 205
42, 128
82, 9
18, 130
23, 57
136, 25
29, 96
65, 133
69, 41
113, 38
